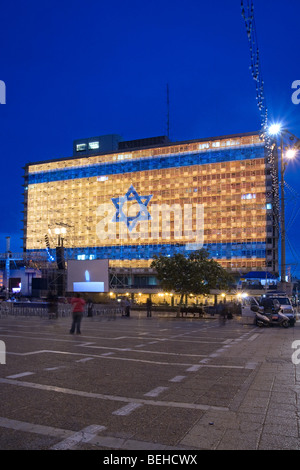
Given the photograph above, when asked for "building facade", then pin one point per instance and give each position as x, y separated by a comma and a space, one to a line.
157, 197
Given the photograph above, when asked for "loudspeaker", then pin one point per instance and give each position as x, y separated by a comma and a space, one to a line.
39, 283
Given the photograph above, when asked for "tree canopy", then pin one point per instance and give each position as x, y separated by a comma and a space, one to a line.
193, 274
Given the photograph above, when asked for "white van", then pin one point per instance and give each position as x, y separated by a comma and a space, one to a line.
285, 303
247, 301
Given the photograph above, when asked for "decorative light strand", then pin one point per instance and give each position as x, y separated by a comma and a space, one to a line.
248, 15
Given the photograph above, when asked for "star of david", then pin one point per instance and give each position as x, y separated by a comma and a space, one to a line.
131, 221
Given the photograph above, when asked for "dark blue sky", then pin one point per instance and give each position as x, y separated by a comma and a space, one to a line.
78, 69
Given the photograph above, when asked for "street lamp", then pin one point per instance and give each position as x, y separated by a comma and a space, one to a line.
290, 153
60, 259
60, 231
277, 130
274, 129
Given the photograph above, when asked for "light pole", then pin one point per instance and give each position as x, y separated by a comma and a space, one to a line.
282, 171
276, 130
60, 259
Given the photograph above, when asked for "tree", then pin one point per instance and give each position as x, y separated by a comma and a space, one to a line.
193, 274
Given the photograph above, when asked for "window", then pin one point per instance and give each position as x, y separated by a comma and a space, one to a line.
102, 178
249, 196
80, 147
93, 145
203, 146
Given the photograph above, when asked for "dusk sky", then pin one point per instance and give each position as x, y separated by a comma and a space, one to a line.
76, 69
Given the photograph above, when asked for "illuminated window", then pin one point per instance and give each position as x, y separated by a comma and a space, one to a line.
94, 145
80, 147
102, 178
203, 146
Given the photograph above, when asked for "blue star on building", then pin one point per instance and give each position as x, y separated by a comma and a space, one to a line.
142, 201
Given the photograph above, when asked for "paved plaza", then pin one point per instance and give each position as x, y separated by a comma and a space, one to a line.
141, 383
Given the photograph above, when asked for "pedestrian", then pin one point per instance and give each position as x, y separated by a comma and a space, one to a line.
127, 308
90, 307
149, 307
122, 303
78, 308
222, 310
230, 308
201, 310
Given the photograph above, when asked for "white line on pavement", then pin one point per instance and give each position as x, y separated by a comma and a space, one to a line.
194, 368
85, 435
127, 409
34, 428
52, 388
94, 439
119, 358
155, 392
178, 378
85, 359
22, 374
253, 337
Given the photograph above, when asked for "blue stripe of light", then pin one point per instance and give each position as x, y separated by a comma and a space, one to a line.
144, 164
127, 252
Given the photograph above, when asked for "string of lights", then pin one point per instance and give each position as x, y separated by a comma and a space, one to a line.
247, 8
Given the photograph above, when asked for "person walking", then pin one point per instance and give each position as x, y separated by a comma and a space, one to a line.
127, 308
77, 312
149, 307
222, 311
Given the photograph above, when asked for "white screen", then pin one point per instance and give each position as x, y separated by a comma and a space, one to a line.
88, 276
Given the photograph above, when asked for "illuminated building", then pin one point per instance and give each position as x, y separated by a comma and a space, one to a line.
105, 201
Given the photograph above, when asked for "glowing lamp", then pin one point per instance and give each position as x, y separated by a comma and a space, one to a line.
275, 129
290, 153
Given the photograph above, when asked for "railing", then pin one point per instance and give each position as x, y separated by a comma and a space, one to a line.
15, 309
102, 312
106, 313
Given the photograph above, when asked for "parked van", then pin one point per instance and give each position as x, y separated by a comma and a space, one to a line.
285, 304
247, 302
